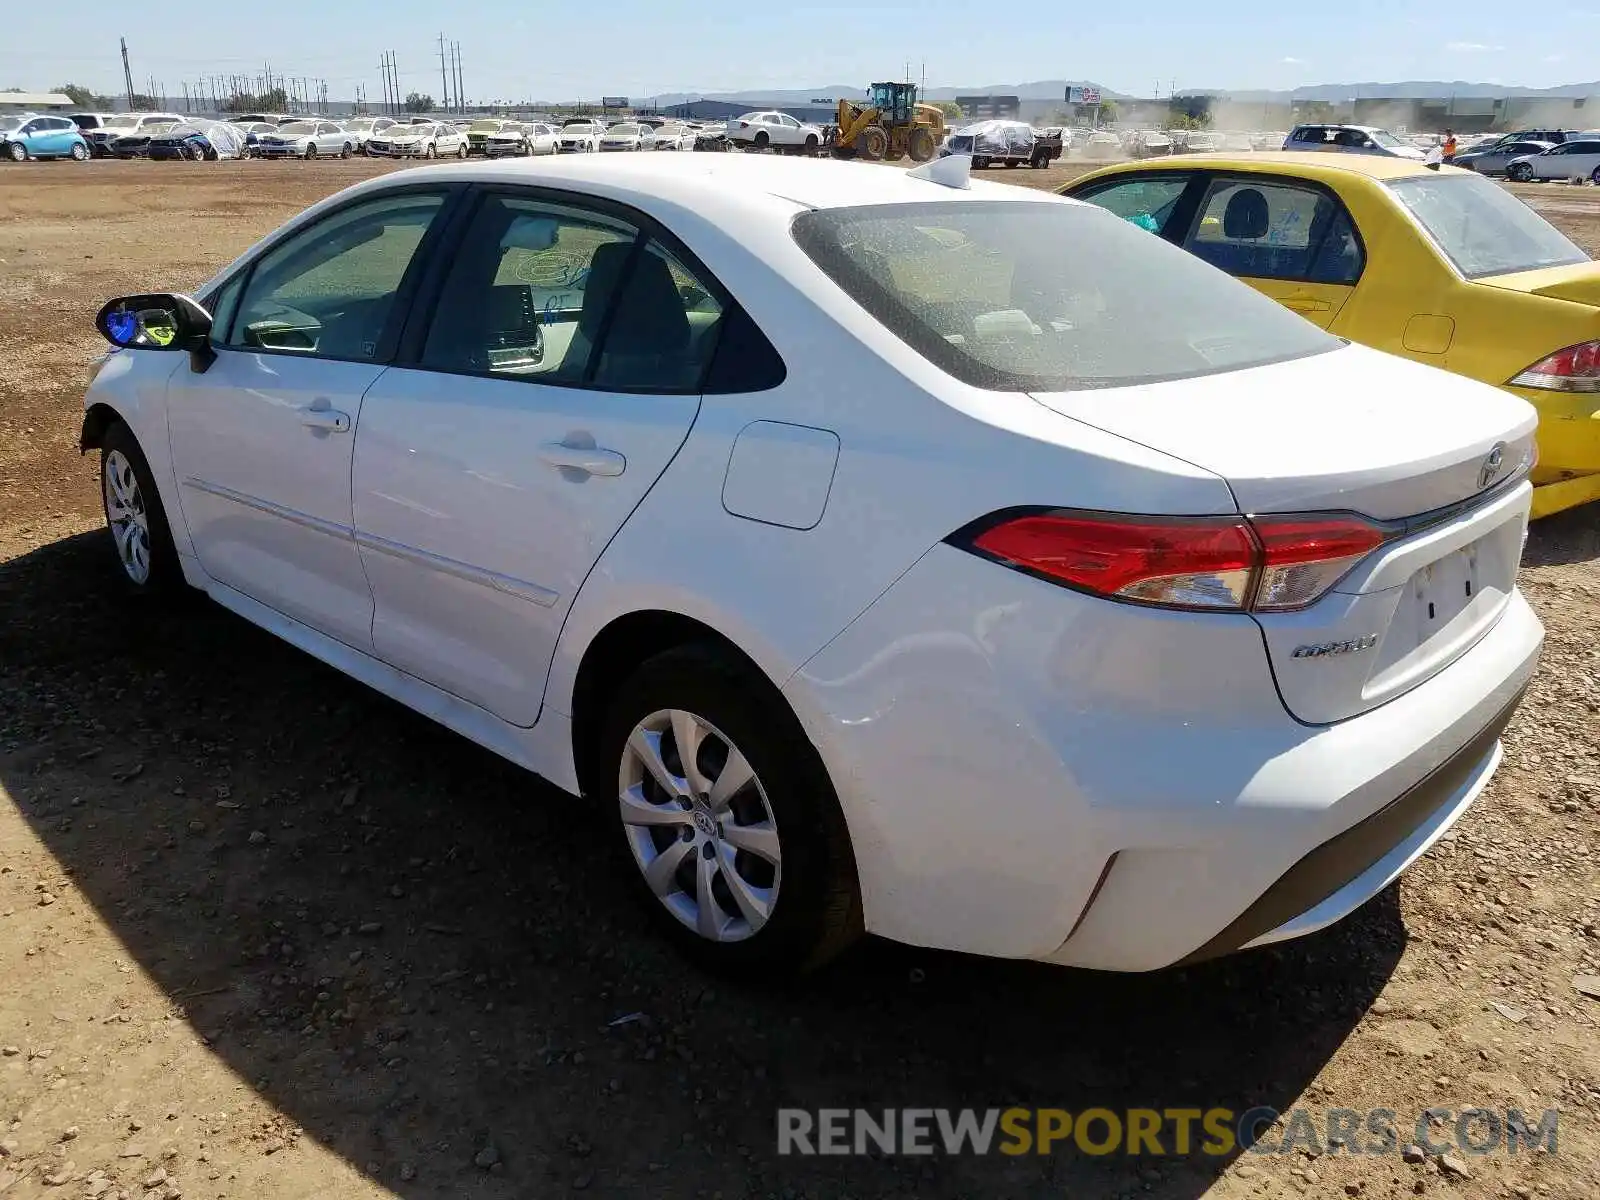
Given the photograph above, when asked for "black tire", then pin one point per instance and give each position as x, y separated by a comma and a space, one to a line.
461, 150
762, 140
431, 152
346, 151
811, 144
921, 144
980, 162
872, 143
80, 152
817, 910
165, 575
17, 151
1594, 177
311, 151
1520, 172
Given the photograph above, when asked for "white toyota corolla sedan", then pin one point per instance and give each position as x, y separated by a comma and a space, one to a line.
884, 553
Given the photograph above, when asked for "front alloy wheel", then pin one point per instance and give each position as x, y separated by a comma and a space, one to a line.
700, 826
126, 516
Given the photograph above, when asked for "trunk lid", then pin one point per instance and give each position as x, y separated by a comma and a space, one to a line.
1430, 455
1578, 283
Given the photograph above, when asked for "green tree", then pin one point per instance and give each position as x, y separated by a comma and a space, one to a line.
84, 97
1108, 112
951, 110
419, 102
139, 102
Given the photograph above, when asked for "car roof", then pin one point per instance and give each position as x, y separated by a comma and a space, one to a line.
713, 182
1315, 165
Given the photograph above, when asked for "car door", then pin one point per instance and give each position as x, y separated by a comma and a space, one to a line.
1583, 159
261, 440
1288, 238
558, 377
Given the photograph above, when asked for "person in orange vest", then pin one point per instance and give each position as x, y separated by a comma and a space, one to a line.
1449, 147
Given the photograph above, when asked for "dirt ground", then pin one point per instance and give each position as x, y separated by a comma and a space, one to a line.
264, 934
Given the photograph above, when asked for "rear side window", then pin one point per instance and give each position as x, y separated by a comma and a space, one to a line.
1026, 296
1482, 228
1267, 229
1148, 202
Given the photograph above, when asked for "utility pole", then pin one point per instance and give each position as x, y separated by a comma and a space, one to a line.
461, 104
127, 74
444, 77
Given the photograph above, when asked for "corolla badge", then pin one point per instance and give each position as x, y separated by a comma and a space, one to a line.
1491, 465
1329, 649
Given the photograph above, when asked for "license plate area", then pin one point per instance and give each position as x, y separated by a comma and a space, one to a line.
1444, 589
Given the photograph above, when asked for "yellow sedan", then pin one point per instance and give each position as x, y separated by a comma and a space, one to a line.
1436, 264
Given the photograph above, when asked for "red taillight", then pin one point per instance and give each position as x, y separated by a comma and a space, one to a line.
1575, 369
1257, 563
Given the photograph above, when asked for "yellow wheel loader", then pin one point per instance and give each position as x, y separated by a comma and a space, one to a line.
890, 125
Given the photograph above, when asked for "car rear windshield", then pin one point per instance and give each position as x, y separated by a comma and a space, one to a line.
1482, 228
1047, 296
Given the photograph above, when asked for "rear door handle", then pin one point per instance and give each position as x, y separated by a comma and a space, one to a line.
591, 460
328, 419
1306, 304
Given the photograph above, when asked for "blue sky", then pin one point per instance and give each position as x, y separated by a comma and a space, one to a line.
629, 47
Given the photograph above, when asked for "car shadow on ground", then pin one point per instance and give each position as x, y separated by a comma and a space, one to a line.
414, 949
1565, 537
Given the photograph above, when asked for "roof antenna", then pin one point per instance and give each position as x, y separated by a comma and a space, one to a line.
951, 171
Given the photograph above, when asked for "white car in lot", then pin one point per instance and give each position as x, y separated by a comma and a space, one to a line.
425, 140
1093, 639
670, 137
625, 135
579, 137
1576, 159
306, 139
520, 139
363, 129
759, 130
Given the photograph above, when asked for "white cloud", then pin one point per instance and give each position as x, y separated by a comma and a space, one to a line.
1290, 61
1471, 47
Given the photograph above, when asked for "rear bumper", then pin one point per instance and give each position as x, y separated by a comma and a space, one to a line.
1028, 772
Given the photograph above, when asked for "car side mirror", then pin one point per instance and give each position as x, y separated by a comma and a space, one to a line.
158, 321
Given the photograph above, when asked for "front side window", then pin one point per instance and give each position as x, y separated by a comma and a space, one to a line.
554, 294
1147, 203
1035, 296
1269, 229
1482, 228
329, 291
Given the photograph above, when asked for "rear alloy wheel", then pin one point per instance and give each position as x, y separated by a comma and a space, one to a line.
1520, 172
311, 150
80, 152
461, 150
346, 152
731, 827
431, 151
134, 515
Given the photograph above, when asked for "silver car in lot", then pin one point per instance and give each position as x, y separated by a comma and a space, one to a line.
1579, 159
307, 139
363, 129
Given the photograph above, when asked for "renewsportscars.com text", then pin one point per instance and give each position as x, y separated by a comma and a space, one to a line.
1169, 1131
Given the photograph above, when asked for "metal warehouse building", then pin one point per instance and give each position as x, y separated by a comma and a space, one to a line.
39, 102
722, 110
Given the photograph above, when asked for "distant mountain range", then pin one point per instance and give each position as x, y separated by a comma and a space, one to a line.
1056, 89
1044, 89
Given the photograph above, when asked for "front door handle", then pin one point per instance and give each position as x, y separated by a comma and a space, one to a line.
329, 419
590, 460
